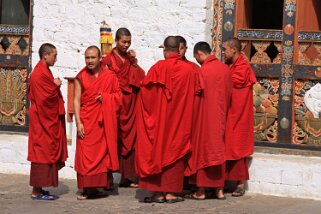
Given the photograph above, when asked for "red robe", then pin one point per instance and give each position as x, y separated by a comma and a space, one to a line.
164, 115
97, 152
209, 117
47, 143
239, 136
129, 77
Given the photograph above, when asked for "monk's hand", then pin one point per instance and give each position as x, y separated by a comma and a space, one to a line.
132, 54
58, 81
99, 98
80, 130
132, 57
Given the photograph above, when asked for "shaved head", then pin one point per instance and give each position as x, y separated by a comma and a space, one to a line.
122, 32
234, 43
202, 46
94, 47
171, 44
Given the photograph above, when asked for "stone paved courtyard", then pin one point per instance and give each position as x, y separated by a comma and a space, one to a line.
15, 198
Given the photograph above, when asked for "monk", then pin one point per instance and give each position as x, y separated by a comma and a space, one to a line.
239, 137
96, 102
206, 163
123, 63
47, 143
164, 118
182, 51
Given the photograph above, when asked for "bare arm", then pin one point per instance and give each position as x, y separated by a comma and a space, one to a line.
77, 96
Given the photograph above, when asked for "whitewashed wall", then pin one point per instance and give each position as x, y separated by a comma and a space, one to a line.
73, 25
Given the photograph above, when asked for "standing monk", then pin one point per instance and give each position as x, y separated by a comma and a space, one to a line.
124, 64
47, 144
164, 118
239, 137
96, 101
206, 164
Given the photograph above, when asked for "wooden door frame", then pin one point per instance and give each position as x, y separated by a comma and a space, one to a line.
286, 72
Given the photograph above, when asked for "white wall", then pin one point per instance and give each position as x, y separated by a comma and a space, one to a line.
73, 25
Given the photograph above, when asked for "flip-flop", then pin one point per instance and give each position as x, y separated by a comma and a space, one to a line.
42, 197
192, 196
174, 200
238, 192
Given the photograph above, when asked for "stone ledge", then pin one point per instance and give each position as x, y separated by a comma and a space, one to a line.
286, 151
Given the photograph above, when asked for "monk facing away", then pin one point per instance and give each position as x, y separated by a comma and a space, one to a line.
206, 163
96, 101
47, 143
164, 118
239, 137
123, 63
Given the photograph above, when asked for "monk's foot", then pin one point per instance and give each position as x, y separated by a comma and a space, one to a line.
156, 198
36, 191
199, 194
240, 191
128, 183
171, 198
220, 194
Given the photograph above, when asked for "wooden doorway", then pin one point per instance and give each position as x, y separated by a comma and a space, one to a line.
283, 44
15, 51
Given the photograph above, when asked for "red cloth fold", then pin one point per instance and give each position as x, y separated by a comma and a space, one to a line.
209, 116
47, 143
164, 115
239, 137
97, 152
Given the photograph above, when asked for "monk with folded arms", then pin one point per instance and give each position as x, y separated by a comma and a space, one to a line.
123, 62
47, 143
96, 101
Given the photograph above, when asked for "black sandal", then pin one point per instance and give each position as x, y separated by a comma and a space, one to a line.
238, 192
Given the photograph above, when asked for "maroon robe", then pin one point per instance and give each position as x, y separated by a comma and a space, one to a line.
97, 154
129, 76
47, 143
239, 137
206, 163
164, 118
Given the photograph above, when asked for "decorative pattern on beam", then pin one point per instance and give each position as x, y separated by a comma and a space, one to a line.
271, 35
309, 36
16, 30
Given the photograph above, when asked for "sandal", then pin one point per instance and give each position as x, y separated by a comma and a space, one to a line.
238, 192
153, 200
82, 197
174, 200
192, 196
44, 192
42, 197
129, 184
